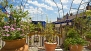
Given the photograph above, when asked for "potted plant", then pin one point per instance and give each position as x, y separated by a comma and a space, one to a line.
50, 35
38, 27
88, 38
74, 42
12, 32
28, 28
88, 35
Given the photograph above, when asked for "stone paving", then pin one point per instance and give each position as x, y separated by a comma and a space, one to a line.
36, 49
85, 49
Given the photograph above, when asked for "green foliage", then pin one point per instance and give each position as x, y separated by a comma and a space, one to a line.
88, 24
80, 28
28, 27
31, 27
50, 33
73, 38
88, 13
38, 27
88, 34
72, 33
80, 24
74, 41
4, 3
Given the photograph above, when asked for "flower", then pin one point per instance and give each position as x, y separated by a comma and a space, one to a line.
12, 32
6, 27
12, 29
18, 29
6, 30
7, 35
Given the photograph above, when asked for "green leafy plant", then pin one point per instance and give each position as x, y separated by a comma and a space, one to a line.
83, 24
50, 33
88, 34
28, 27
38, 27
80, 25
72, 33
74, 41
73, 38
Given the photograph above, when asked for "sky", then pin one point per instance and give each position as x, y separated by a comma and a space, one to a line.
40, 9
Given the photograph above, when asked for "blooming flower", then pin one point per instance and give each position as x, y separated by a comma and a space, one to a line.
7, 35
18, 29
6, 30
12, 29
6, 27
11, 25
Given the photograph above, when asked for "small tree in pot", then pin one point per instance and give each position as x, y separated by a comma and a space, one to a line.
50, 34
88, 38
73, 41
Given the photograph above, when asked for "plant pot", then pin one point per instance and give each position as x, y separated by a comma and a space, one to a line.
89, 45
76, 47
88, 39
50, 46
14, 44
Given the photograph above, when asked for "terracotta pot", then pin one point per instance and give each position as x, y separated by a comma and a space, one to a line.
50, 47
76, 47
88, 39
89, 45
14, 44
23, 48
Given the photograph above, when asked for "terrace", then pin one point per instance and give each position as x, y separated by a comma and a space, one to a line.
24, 26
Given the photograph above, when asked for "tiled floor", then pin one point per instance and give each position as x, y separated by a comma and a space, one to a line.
85, 49
36, 49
